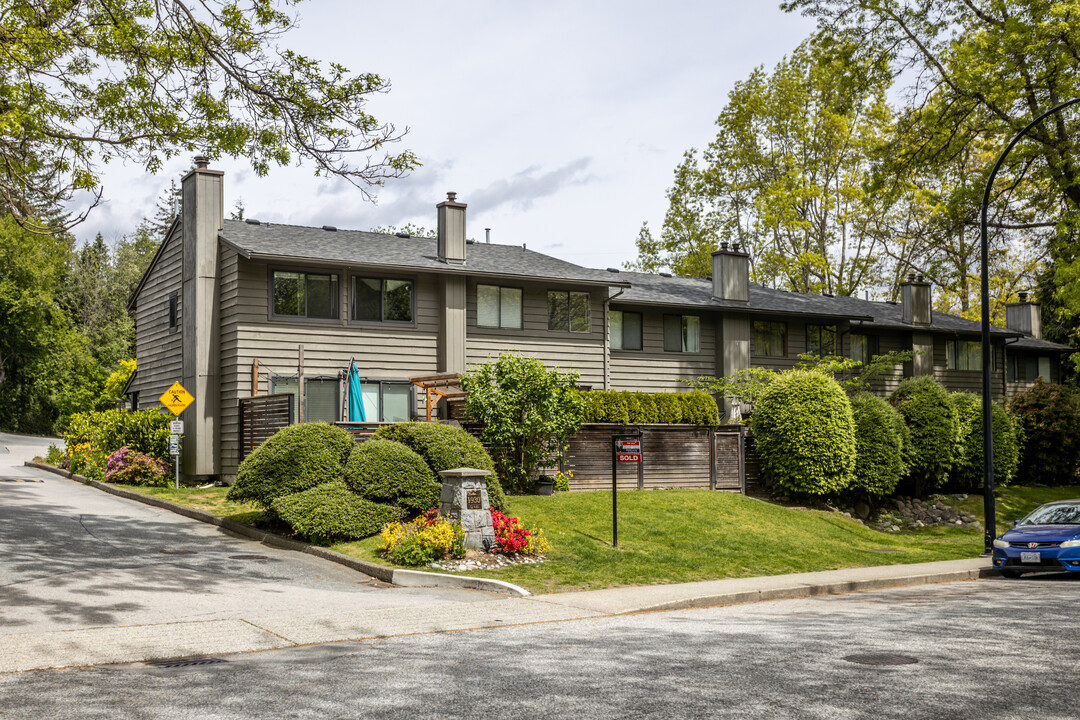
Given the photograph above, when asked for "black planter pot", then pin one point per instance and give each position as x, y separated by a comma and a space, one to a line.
545, 487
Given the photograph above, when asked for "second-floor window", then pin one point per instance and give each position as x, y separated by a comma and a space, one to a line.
682, 333
381, 299
568, 311
963, 355
821, 340
770, 338
498, 307
305, 295
625, 330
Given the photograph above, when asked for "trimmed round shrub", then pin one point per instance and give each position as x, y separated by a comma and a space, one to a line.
805, 433
668, 408
1048, 418
331, 512
968, 470
389, 472
699, 408
649, 412
933, 429
879, 445
445, 447
131, 467
293, 459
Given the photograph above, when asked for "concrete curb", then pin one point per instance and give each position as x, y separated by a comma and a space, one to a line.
394, 576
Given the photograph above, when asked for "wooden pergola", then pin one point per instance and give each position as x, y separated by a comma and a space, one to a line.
439, 385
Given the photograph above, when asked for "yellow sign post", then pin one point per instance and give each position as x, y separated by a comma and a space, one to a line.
176, 399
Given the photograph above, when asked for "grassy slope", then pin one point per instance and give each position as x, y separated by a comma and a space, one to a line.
675, 536
685, 535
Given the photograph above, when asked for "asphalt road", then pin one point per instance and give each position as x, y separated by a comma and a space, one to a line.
984, 649
73, 557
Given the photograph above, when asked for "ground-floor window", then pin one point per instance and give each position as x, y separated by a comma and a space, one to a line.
386, 400
821, 340
963, 355
863, 347
322, 399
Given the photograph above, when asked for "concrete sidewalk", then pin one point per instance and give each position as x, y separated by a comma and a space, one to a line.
105, 645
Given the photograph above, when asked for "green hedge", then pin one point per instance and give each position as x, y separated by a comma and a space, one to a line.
330, 512
145, 431
389, 472
879, 445
1048, 418
444, 447
934, 431
805, 433
631, 408
294, 459
968, 468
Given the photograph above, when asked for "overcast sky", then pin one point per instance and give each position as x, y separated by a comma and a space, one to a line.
558, 123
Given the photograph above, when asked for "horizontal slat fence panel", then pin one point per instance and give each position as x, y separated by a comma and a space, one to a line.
261, 417
362, 431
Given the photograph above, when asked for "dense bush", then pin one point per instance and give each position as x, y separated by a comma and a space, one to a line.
606, 406
445, 447
968, 468
331, 512
669, 408
389, 472
1048, 417
699, 408
85, 459
293, 459
879, 445
633, 406
933, 429
649, 413
145, 431
131, 467
805, 433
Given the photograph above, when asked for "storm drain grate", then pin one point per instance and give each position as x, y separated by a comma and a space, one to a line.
248, 557
881, 659
185, 662
178, 552
35, 480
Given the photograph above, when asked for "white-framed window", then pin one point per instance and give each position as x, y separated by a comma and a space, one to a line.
682, 333
625, 330
498, 307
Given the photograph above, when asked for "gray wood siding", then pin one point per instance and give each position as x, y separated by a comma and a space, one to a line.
382, 351
158, 349
583, 352
968, 380
652, 369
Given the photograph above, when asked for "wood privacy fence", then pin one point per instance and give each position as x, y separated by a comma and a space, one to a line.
261, 417
673, 456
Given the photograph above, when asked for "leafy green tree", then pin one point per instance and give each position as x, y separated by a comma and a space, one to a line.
88, 83
527, 412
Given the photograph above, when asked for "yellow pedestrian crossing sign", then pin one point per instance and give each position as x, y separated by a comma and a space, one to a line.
176, 399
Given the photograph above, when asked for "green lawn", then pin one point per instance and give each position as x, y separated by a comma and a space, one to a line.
212, 500
673, 536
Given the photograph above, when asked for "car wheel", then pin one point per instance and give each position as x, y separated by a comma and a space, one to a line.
1011, 574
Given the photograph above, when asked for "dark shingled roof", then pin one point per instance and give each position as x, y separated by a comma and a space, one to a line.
649, 289
355, 247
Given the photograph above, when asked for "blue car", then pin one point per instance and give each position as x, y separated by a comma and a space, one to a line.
1047, 540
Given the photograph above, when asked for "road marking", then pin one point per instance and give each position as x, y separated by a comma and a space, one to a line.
11, 479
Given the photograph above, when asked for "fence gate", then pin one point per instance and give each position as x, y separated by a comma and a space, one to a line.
261, 417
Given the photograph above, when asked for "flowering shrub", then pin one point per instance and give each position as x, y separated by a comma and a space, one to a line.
131, 467
510, 535
538, 544
562, 480
85, 459
423, 540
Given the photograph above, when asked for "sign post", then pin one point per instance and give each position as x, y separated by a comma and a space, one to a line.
176, 399
625, 449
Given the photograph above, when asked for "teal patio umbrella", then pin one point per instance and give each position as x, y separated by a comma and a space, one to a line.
356, 397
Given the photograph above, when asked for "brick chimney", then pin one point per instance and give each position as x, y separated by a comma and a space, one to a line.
451, 230
202, 218
915, 301
731, 274
1024, 316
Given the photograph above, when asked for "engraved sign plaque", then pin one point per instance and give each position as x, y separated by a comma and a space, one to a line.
472, 500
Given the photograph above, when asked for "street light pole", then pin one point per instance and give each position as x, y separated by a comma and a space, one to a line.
989, 511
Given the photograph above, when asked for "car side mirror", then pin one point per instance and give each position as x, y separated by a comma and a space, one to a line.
1015, 523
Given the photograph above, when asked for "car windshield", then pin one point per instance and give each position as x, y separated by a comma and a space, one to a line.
1054, 515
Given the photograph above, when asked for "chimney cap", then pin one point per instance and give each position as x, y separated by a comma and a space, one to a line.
451, 196
201, 162
1023, 296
